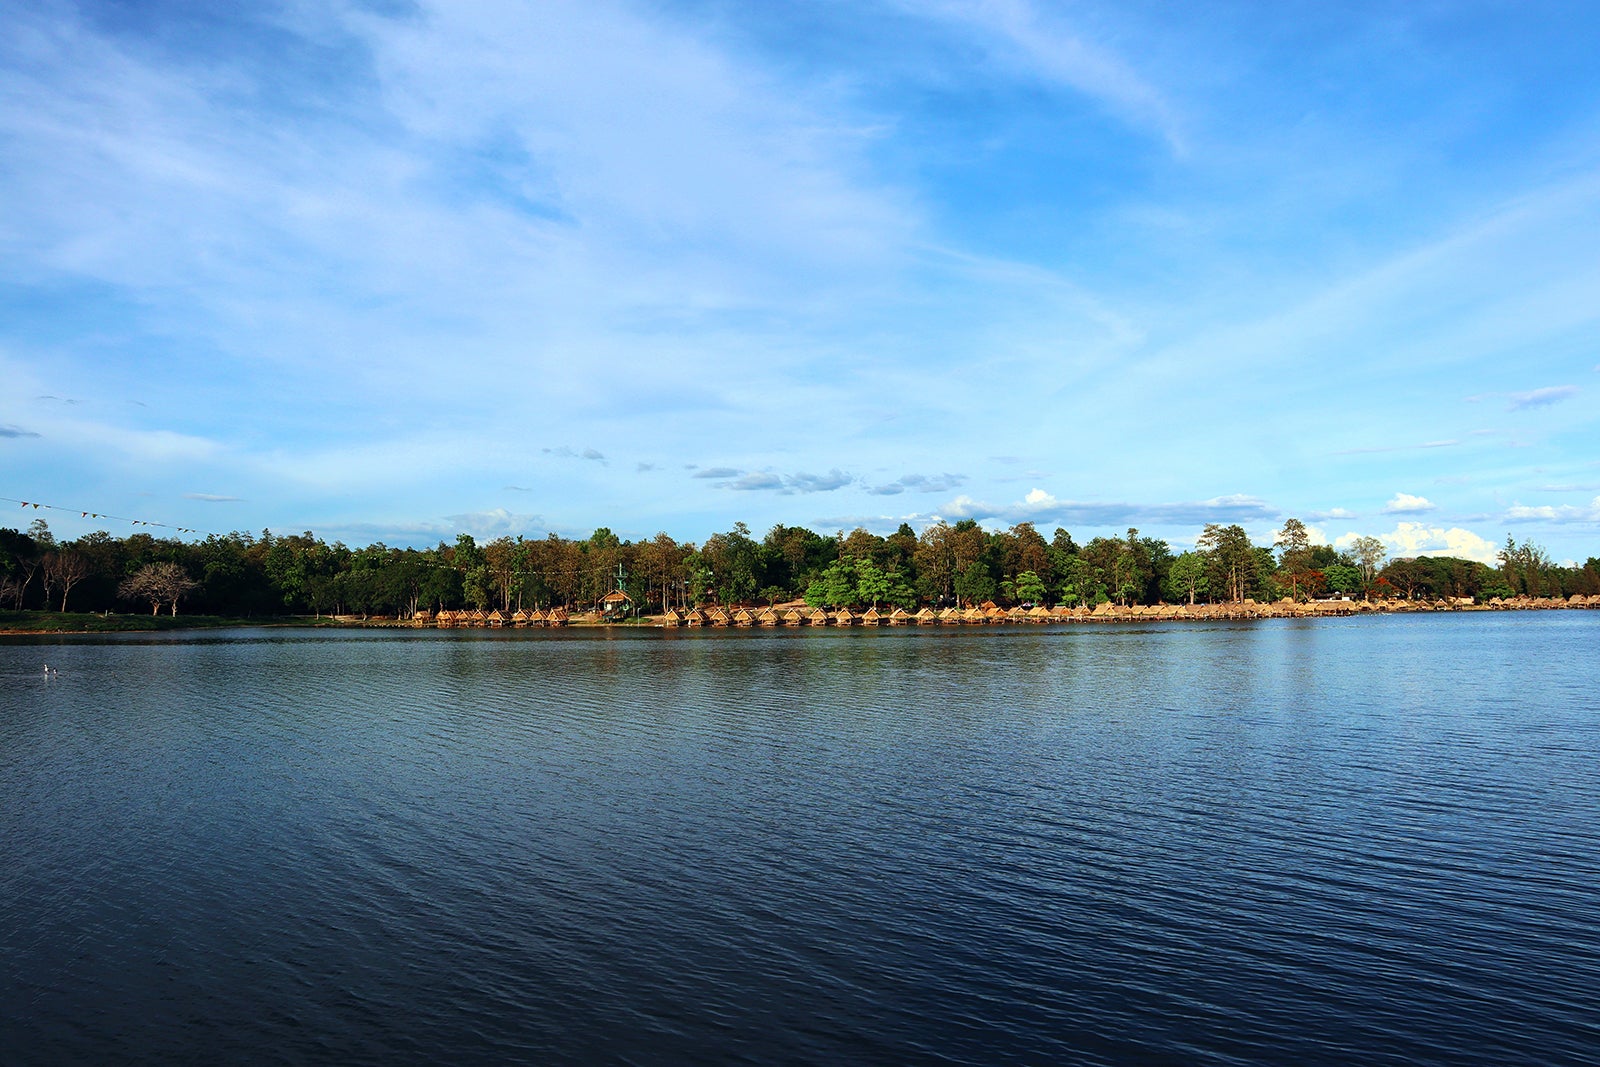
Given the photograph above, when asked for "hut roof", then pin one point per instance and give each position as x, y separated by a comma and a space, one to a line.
616, 596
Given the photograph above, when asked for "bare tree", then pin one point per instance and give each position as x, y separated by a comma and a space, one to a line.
63, 570
159, 583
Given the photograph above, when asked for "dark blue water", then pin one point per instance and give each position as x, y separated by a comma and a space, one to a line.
1367, 840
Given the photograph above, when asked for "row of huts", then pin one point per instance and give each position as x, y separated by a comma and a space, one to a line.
494, 620
800, 614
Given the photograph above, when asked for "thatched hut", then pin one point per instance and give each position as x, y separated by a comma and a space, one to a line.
421, 617
927, 617
743, 617
845, 617
556, 617
951, 615
899, 617
793, 617
870, 617
696, 616
445, 620
766, 617
817, 617
495, 620
718, 616
1038, 613
671, 617
974, 617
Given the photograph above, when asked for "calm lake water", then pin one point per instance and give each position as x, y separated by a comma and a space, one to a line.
1368, 840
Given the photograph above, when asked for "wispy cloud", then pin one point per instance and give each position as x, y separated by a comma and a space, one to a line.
1041, 506
1044, 46
1407, 504
1539, 398
919, 483
213, 498
1449, 443
786, 484
16, 431
563, 452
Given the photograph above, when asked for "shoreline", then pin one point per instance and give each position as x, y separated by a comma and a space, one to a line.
762, 618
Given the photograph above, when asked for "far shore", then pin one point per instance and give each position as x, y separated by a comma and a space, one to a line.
22, 623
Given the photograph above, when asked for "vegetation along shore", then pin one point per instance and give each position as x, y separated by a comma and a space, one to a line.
957, 574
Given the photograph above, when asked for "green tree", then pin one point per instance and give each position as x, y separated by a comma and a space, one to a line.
1186, 580
975, 584
872, 584
1030, 587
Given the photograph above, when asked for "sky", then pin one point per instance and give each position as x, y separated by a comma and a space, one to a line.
395, 270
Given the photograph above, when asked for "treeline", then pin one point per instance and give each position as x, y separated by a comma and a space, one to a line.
961, 564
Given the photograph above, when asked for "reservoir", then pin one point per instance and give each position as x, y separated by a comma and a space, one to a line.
1369, 840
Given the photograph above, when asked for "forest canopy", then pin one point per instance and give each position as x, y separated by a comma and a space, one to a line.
240, 574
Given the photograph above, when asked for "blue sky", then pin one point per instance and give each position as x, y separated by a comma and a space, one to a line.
395, 270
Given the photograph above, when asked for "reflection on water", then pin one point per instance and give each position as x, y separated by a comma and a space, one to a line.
1357, 840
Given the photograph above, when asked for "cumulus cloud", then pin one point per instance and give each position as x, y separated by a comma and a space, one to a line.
1554, 513
1538, 398
919, 483
1331, 513
1419, 539
1406, 504
496, 523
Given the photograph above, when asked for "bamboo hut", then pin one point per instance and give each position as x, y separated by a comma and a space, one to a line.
422, 617
743, 618
495, 620
927, 617
445, 620
974, 617
670, 617
817, 617
845, 617
1017, 614
519, 618
477, 618
899, 617
870, 617
766, 617
951, 615
718, 616
556, 617
793, 617
696, 616
1039, 613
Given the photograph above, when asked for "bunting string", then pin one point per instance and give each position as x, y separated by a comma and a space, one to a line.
37, 505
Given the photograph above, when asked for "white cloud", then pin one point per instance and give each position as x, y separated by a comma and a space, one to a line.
1332, 513
1539, 398
1554, 513
1420, 539
1406, 504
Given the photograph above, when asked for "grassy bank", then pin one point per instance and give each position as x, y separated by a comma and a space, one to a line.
70, 622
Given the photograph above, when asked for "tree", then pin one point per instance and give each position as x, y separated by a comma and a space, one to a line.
1294, 546
1369, 553
834, 587
63, 570
159, 583
1187, 577
1231, 558
872, 584
1030, 588
974, 584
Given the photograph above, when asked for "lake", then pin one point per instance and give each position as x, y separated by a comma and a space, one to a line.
1365, 840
